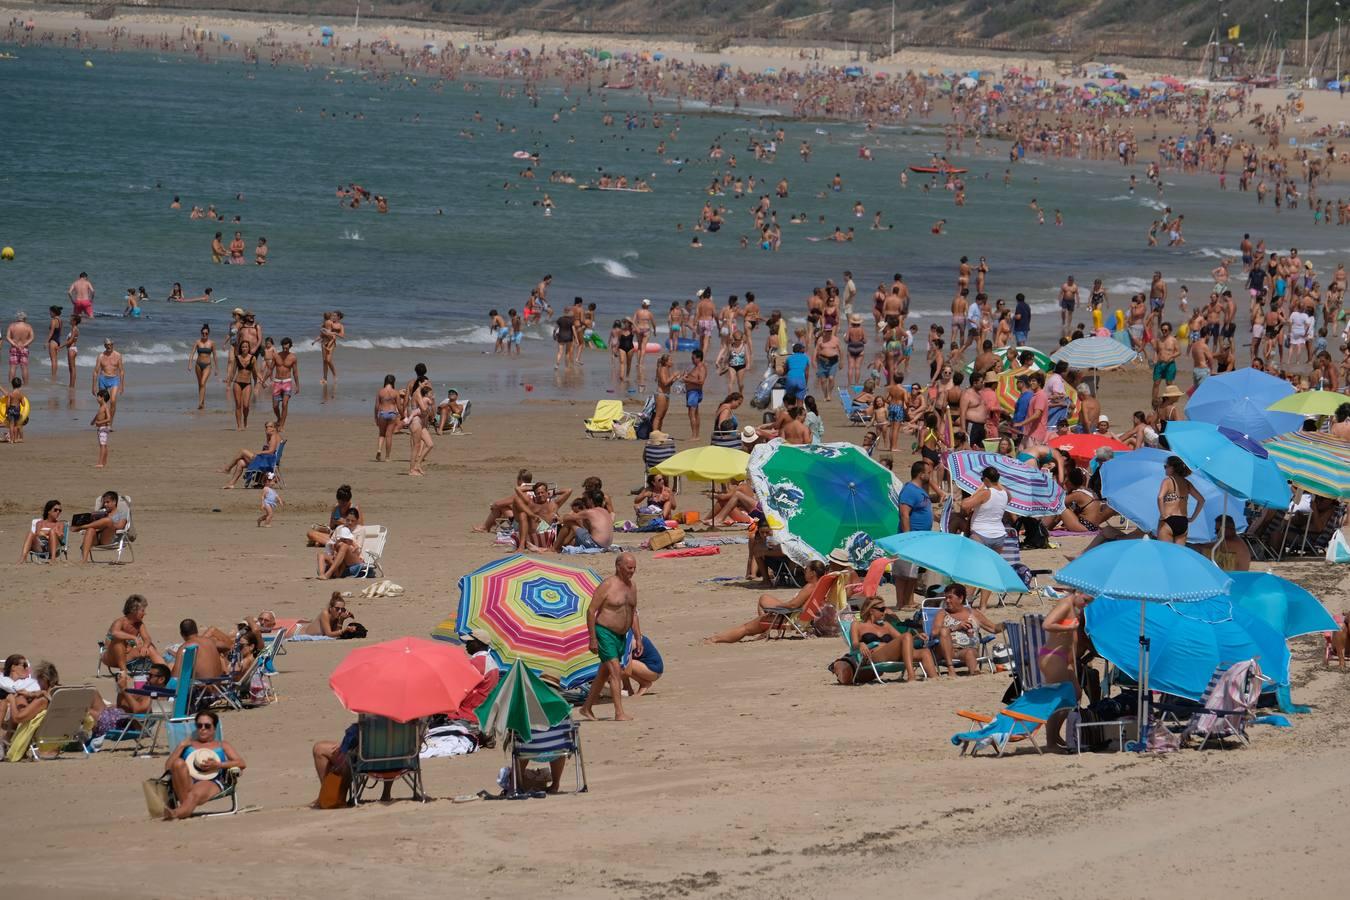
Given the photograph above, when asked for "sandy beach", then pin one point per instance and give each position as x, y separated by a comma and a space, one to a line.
747, 773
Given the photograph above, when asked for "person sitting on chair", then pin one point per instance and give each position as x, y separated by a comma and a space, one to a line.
873, 637
343, 549
957, 629
656, 498
319, 534
761, 623
128, 643
239, 462
44, 538
1230, 552
212, 648
103, 528
199, 777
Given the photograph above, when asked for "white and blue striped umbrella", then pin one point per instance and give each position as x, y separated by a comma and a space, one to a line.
1094, 353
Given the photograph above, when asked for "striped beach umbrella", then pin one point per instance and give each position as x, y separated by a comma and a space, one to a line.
1317, 462
1031, 492
1005, 363
533, 610
1094, 353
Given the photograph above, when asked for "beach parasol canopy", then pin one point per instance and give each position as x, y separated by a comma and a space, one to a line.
405, 679
1232, 466
1317, 462
1280, 603
1041, 361
1310, 403
954, 556
1130, 485
533, 610
1006, 392
1031, 492
1094, 353
705, 464
1187, 642
521, 703
819, 498
1145, 570
1082, 448
1239, 400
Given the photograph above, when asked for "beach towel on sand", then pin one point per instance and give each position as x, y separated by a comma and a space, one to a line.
687, 551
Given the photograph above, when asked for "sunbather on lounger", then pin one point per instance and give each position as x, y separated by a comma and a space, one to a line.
741, 497
212, 650
957, 629
502, 508
239, 462
188, 789
128, 639
875, 637
761, 624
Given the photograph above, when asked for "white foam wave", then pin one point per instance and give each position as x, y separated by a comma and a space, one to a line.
351, 234
1219, 253
1152, 204
628, 254
612, 267
1129, 286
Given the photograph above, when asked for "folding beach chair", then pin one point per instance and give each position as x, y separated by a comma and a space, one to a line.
547, 745
372, 553
456, 421
1226, 708
144, 729
255, 473
799, 619
983, 652
1011, 551
857, 413
846, 620
387, 751
120, 545
1019, 721
607, 414
179, 731
61, 549
730, 439
52, 731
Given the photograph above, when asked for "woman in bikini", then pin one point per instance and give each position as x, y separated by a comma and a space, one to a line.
665, 377
54, 337
71, 349
386, 418
420, 404
243, 372
46, 533
1084, 511
1174, 492
656, 495
202, 362
874, 637
1058, 658
764, 620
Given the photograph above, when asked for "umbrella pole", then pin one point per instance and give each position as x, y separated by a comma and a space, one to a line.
1218, 537
1142, 722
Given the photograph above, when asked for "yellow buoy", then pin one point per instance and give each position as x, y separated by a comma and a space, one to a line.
7, 254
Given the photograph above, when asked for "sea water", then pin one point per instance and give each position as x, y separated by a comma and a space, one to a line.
92, 157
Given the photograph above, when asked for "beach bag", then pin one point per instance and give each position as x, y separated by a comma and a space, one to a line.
333, 790
667, 538
1338, 550
826, 622
156, 796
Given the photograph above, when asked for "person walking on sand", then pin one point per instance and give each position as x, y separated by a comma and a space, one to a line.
612, 612
693, 389
284, 373
109, 375
102, 424
386, 418
202, 362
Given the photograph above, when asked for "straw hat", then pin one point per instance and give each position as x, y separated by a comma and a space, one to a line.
991, 378
238, 311
657, 437
1173, 391
839, 557
194, 764
855, 319
749, 435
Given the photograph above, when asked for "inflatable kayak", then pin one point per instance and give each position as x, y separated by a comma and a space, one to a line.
938, 170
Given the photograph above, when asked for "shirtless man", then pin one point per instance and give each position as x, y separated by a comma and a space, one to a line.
1068, 302
541, 291
1202, 361
850, 292
612, 612
794, 429
535, 512
237, 249
1167, 350
20, 336
644, 326
218, 252
588, 525
108, 375
284, 373
974, 414
81, 295
503, 507
209, 661
705, 318
960, 305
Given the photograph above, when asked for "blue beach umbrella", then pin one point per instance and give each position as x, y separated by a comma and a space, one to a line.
1130, 485
1187, 642
955, 556
1245, 470
1145, 570
1094, 353
1280, 603
1239, 400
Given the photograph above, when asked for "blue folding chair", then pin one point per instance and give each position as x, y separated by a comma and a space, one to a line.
255, 473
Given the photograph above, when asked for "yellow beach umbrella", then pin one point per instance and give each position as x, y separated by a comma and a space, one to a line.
1310, 403
705, 464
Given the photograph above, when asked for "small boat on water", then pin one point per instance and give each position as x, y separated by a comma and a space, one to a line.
938, 170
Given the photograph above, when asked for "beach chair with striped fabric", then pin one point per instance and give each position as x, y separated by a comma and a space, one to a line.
655, 453
800, 619
729, 439
1225, 709
546, 746
857, 413
387, 751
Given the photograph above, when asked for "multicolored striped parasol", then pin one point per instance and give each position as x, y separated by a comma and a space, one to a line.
1006, 392
533, 610
1031, 492
1318, 462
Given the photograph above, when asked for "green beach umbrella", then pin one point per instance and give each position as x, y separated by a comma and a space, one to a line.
1310, 403
819, 498
521, 702
605, 54
1042, 362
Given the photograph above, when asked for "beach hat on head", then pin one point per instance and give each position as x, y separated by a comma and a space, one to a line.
749, 435
1173, 391
271, 476
478, 635
1308, 264
238, 311
991, 378
1104, 418
646, 301
855, 319
194, 764
839, 557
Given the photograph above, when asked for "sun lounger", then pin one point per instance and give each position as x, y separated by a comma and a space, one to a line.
387, 751
800, 619
1225, 710
1019, 720
559, 742
857, 413
52, 731
258, 468
864, 663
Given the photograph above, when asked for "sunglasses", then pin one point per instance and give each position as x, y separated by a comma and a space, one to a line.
206, 725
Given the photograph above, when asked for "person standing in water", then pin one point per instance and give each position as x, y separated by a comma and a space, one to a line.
54, 337
202, 362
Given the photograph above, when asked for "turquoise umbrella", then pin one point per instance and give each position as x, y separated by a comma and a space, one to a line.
1240, 472
955, 556
1282, 604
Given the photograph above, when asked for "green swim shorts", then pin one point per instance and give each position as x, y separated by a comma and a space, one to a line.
611, 644
1165, 371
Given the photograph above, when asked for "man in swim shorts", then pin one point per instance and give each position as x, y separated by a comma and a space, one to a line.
19, 334
589, 525
610, 616
108, 374
285, 377
81, 295
693, 389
